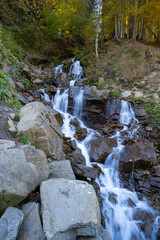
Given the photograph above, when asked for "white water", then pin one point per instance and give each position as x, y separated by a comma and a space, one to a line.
118, 213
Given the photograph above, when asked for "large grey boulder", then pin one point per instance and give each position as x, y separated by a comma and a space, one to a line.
17, 177
10, 223
31, 228
62, 169
38, 158
42, 129
69, 208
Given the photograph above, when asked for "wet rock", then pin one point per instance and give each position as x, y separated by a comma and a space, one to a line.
147, 220
51, 89
42, 129
113, 108
75, 122
112, 198
77, 157
31, 228
84, 171
81, 133
100, 148
137, 155
62, 169
62, 80
10, 223
69, 208
17, 177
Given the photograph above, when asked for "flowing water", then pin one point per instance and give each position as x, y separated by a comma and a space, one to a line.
117, 208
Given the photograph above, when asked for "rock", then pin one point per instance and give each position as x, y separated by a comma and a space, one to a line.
77, 157
25, 71
62, 169
69, 209
6, 144
140, 154
75, 122
30, 99
10, 223
11, 124
31, 228
62, 80
147, 220
17, 177
38, 81
140, 112
57, 115
100, 148
102, 235
81, 133
42, 129
126, 94
84, 171
22, 99
8, 79
138, 94
38, 158
20, 85
113, 108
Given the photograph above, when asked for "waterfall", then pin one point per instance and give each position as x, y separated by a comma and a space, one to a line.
118, 213
78, 104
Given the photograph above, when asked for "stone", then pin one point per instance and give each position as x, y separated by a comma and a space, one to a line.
84, 171
17, 177
57, 115
77, 157
140, 112
102, 235
20, 85
22, 99
138, 94
81, 133
100, 148
62, 169
70, 209
38, 81
30, 99
75, 122
10, 223
136, 155
6, 144
11, 124
113, 108
126, 94
25, 71
31, 228
42, 129
38, 158
10, 80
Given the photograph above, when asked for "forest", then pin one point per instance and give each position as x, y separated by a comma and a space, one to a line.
81, 22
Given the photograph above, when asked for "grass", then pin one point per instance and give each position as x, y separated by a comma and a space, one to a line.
24, 140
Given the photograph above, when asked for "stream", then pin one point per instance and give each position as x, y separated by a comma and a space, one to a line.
118, 214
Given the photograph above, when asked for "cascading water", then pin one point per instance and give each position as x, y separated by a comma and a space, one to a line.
119, 212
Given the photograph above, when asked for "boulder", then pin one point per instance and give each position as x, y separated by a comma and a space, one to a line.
17, 177
38, 158
136, 155
126, 94
100, 148
10, 223
31, 228
69, 209
77, 157
84, 171
42, 129
62, 169
20, 85
81, 133
75, 122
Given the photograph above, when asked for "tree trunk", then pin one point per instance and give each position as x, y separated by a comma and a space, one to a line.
135, 23
141, 28
96, 43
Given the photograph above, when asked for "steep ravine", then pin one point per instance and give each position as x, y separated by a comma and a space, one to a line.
127, 214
